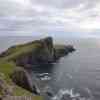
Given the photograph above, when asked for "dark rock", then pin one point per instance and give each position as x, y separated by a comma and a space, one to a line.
45, 53
38, 52
70, 48
66, 97
62, 50
42, 54
49, 94
23, 79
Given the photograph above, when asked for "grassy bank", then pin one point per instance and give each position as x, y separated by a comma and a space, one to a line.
6, 68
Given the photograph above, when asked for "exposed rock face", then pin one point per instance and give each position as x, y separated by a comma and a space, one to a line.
22, 78
66, 97
62, 50
45, 53
37, 52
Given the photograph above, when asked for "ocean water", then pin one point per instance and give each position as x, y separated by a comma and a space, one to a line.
76, 75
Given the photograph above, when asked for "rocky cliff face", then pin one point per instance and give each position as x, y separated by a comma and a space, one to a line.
62, 50
38, 52
45, 53
22, 78
42, 54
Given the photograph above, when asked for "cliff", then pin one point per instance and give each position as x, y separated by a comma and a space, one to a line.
8, 87
26, 55
38, 52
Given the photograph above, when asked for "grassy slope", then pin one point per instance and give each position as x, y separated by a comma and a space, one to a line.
15, 51
7, 67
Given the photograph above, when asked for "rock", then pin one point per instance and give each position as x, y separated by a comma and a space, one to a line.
23, 79
70, 48
48, 91
62, 50
66, 97
37, 52
43, 53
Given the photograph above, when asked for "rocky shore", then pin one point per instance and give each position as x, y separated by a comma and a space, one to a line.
37, 52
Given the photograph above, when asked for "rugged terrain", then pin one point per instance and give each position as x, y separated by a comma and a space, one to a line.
14, 78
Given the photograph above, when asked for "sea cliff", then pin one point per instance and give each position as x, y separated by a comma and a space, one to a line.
37, 52
15, 60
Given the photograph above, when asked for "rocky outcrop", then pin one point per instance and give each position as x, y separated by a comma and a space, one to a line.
42, 53
45, 52
62, 50
23, 79
37, 52
66, 97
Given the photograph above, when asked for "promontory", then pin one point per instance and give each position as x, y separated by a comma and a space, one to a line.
15, 60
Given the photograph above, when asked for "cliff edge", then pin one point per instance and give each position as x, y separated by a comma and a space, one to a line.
37, 52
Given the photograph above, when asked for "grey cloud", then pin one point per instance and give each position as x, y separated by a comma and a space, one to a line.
59, 3
42, 16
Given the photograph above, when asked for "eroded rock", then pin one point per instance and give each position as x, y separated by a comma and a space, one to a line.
23, 79
46, 52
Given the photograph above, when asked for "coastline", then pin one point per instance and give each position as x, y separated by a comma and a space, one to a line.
39, 52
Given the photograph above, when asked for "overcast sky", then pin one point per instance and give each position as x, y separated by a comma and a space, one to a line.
56, 17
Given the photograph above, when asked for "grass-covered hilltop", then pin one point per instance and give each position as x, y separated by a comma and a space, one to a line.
14, 78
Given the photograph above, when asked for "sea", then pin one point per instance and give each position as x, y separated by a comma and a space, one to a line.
75, 76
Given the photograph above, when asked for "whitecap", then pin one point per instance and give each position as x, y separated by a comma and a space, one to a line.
42, 74
73, 96
45, 78
63, 92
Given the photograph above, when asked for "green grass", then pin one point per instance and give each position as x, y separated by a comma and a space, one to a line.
21, 91
7, 65
16, 51
6, 68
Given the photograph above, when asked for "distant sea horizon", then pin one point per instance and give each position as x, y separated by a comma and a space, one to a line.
7, 41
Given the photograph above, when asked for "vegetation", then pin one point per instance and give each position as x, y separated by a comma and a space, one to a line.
16, 51
7, 66
48, 51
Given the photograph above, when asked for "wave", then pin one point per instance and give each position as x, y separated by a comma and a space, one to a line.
69, 94
44, 76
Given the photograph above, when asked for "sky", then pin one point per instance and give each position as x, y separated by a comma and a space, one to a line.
74, 18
